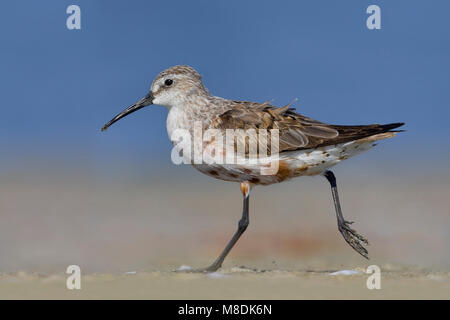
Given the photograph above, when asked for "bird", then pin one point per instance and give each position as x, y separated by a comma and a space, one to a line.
303, 146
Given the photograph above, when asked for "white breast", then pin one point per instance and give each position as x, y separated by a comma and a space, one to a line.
177, 119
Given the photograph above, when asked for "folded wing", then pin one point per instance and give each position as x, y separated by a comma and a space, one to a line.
295, 131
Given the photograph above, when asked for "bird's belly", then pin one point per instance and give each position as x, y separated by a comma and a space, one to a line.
291, 164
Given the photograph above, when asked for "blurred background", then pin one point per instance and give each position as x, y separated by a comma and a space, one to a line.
113, 201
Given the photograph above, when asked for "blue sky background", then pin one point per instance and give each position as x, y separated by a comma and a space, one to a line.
59, 86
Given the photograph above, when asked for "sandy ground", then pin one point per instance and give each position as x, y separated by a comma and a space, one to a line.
128, 234
232, 283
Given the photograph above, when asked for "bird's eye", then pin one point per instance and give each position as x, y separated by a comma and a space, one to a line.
168, 82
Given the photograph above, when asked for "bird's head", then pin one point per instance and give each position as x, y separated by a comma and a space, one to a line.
174, 86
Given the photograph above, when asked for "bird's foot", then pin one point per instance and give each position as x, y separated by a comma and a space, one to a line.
211, 268
353, 238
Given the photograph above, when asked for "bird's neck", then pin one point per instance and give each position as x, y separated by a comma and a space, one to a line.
193, 111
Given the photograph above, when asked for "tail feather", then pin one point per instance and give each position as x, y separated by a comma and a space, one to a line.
349, 133
390, 126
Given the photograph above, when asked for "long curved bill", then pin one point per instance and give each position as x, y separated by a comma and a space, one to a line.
145, 101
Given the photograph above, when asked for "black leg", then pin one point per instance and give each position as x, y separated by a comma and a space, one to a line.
242, 226
351, 236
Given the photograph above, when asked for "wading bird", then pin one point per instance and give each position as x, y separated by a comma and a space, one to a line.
306, 147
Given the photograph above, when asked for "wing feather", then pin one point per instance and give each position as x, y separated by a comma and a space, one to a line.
295, 130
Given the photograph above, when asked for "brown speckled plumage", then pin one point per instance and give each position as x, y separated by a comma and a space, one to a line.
296, 131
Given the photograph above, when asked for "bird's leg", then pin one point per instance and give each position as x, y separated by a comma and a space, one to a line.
354, 239
242, 226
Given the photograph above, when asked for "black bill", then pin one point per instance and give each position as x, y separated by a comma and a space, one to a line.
145, 101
